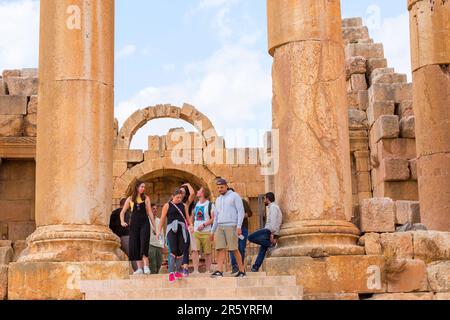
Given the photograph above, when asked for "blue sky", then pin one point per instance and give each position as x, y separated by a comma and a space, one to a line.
210, 53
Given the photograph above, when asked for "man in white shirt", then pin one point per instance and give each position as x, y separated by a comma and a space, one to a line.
266, 237
203, 220
156, 245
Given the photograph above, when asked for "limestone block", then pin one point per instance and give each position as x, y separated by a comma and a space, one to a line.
442, 296
362, 161
432, 99
355, 34
397, 92
398, 190
13, 105
358, 82
389, 78
397, 245
352, 22
15, 210
363, 99
6, 255
32, 105
18, 247
378, 215
377, 73
378, 109
29, 72
395, 169
355, 65
439, 276
413, 169
11, 73
154, 143
30, 125
434, 180
431, 246
407, 212
411, 278
386, 127
20, 230
2, 87
21, 86
3, 282
337, 274
353, 99
371, 243
11, 125
375, 63
364, 182
396, 148
366, 50
5, 243
405, 109
404, 296
135, 156
408, 127
357, 119
119, 168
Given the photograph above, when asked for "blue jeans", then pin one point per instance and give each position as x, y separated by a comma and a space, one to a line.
242, 248
261, 237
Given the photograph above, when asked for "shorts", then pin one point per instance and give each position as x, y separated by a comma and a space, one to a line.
227, 238
203, 242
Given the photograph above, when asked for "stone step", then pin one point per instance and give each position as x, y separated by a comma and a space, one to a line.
250, 293
201, 275
156, 282
389, 78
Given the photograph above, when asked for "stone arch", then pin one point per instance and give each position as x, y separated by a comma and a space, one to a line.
200, 174
141, 117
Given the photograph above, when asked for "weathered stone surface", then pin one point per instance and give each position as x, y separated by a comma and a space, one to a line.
396, 148
30, 125
378, 215
2, 87
434, 181
33, 104
405, 109
407, 212
389, 78
342, 274
5, 243
20, 230
366, 50
404, 296
431, 246
413, 169
357, 119
439, 276
332, 297
29, 281
13, 105
3, 282
397, 190
15, 210
352, 22
378, 109
412, 278
128, 155
6, 255
442, 296
29, 72
395, 169
372, 243
355, 65
11, 125
21, 86
408, 127
397, 245
363, 99
11, 73
358, 82
18, 248
386, 127
375, 63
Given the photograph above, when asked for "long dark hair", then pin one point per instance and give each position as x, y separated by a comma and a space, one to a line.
136, 192
186, 197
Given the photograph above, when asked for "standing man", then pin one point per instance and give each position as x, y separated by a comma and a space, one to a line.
242, 243
156, 245
227, 227
267, 237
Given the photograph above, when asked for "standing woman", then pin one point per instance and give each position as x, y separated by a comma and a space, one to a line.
140, 206
177, 232
188, 199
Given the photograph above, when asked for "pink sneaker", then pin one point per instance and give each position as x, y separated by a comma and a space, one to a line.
178, 276
172, 277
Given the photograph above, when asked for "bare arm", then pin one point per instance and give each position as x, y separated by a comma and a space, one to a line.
125, 208
148, 205
165, 209
189, 221
191, 194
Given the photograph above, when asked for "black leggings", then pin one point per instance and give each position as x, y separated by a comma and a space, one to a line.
139, 237
176, 242
186, 250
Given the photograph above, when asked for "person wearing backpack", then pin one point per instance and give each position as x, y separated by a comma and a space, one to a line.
203, 219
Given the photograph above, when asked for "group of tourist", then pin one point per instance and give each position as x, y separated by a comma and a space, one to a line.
192, 228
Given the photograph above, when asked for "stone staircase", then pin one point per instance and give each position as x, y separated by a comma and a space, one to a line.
257, 286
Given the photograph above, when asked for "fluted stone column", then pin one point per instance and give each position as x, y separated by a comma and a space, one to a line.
74, 153
313, 184
430, 48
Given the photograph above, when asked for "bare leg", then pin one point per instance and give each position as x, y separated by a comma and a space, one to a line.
220, 260
140, 265
195, 260
238, 256
146, 261
208, 262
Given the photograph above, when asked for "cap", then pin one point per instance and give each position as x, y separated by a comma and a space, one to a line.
222, 182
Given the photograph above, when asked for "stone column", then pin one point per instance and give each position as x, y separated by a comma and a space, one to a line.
74, 154
313, 184
430, 48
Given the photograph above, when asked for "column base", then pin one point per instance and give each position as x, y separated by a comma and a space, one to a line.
59, 280
318, 238
332, 275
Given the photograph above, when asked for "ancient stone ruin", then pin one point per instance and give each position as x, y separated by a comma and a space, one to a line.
364, 187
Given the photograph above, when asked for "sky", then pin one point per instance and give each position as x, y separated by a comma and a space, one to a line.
209, 53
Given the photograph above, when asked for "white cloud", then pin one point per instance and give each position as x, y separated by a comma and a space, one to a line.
126, 51
19, 30
394, 34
